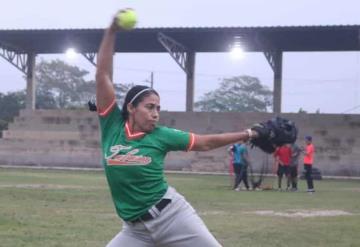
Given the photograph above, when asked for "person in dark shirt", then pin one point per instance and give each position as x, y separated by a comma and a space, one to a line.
294, 164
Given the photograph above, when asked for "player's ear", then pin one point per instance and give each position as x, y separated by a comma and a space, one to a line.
130, 108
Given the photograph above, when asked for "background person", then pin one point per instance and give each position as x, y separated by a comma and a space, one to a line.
294, 164
240, 161
282, 157
308, 163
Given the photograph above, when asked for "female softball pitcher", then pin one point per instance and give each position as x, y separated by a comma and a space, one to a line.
134, 148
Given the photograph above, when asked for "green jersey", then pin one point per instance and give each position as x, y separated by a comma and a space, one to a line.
134, 163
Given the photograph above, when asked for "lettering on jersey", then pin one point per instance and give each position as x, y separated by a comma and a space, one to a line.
129, 158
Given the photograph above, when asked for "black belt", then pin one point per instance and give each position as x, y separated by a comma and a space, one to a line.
147, 216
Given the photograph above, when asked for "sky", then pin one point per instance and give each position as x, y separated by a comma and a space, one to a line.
313, 81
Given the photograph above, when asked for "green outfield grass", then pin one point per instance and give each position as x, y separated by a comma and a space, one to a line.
73, 208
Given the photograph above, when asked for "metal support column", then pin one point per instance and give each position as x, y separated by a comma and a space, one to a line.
277, 82
185, 58
190, 72
275, 60
30, 82
25, 62
274, 56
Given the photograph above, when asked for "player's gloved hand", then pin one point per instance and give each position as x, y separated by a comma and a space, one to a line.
274, 133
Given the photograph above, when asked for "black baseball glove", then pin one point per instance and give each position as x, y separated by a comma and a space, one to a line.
274, 133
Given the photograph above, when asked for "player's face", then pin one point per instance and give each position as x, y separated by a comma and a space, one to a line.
146, 113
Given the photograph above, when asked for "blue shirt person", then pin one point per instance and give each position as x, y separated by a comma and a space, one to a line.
240, 162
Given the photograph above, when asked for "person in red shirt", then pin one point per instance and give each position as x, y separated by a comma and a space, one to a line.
282, 157
308, 162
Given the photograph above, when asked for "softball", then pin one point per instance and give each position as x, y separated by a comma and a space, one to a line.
126, 19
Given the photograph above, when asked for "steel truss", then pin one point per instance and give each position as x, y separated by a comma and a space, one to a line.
90, 57
176, 50
16, 57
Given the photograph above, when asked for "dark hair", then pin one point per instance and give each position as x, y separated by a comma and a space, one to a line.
308, 138
135, 101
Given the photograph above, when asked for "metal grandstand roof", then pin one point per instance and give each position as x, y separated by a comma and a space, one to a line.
202, 39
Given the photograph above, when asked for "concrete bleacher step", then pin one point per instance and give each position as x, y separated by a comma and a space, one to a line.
71, 138
55, 120
23, 145
52, 138
54, 125
51, 157
39, 125
49, 135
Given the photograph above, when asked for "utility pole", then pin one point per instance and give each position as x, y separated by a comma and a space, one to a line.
151, 81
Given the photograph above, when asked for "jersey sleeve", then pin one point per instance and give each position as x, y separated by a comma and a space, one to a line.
176, 140
110, 119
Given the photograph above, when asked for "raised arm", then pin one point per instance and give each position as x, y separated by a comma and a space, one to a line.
209, 142
105, 92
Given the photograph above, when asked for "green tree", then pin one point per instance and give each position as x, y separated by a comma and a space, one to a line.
45, 100
301, 110
10, 105
60, 85
237, 94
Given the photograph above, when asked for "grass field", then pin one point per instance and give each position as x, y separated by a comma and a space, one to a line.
73, 208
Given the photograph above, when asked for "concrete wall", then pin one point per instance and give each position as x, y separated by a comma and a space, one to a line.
71, 138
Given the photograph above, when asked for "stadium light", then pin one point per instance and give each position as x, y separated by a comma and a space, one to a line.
71, 53
237, 53
237, 50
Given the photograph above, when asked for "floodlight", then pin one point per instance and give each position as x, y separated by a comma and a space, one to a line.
71, 53
236, 49
237, 52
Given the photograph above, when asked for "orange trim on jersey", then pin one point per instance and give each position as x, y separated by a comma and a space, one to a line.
132, 136
191, 142
103, 113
